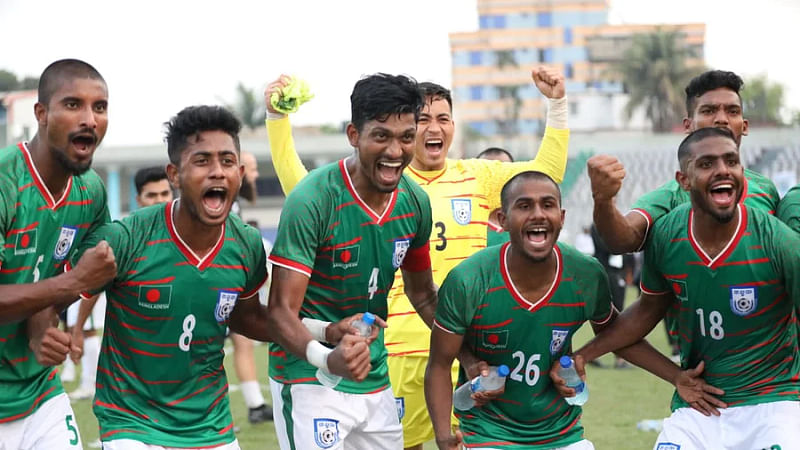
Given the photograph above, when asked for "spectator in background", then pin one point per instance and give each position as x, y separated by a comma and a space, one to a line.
494, 232
152, 186
584, 242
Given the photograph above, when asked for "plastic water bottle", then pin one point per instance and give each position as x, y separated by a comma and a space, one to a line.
650, 425
570, 375
364, 326
462, 397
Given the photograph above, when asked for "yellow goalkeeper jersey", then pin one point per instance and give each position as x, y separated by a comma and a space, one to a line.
462, 196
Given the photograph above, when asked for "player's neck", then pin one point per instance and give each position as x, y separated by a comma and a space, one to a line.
375, 199
531, 278
53, 174
200, 238
711, 234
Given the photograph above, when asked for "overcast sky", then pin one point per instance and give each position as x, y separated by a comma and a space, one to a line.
160, 56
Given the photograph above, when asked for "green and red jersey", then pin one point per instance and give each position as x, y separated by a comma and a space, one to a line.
160, 378
759, 192
39, 231
479, 301
734, 311
350, 254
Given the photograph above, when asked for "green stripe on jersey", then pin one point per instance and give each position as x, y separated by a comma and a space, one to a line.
477, 301
734, 312
37, 235
351, 255
160, 378
286, 398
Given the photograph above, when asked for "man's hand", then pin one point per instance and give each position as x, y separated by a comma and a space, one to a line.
77, 345
481, 368
275, 86
606, 174
52, 346
550, 82
451, 442
350, 358
697, 393
335, 331
561, 384
96, 267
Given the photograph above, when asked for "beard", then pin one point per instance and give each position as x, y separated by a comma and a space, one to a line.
722, 217
72, 167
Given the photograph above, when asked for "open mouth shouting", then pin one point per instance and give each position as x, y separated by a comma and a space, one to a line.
215, 201
723, 193
537, 236
389, 171
84, 143
434, 146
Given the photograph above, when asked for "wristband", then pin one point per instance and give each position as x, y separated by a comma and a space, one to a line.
316, 328
317, 355
274, 115
557, 112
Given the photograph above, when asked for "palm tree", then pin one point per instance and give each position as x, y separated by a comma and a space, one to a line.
248, 107
654, 71
762, 101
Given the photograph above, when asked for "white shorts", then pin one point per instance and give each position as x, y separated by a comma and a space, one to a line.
95, 321
580, 445
52, 426
767, 426
130, 444
310, 416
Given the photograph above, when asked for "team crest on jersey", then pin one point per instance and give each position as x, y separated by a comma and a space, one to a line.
400, 251
668, 446
679, 288
64, 243
744, 300
400, 402
346, 257
462, 210
155, 296
225, 303
495, 339
558, 340
326, 432
26, 242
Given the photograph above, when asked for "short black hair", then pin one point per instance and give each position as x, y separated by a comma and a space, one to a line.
495, 151
378, 96
524, 176
436, 91
708, 81
196, 119
685, 150
148, 175
64, 70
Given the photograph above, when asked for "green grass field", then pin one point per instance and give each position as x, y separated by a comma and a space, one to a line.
618, 399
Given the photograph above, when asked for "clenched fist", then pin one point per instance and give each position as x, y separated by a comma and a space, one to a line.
550, 82
606, 174
96, 267
350, 358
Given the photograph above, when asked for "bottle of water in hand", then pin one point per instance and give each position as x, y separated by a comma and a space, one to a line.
462, 397
364, 326
570, 375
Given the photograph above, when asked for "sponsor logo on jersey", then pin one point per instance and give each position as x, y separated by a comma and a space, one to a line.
26, 242
679, 288
400, 251
462, 210
226, 300
495, 339
64, 242
400, 402
346, 257
744, 300
155, 296
326, 432
667, 446
558, 340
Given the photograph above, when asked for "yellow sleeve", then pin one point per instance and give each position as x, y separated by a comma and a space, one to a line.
287, 163
550, 159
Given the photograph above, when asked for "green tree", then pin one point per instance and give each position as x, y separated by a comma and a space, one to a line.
763, 101
8, 81
248, 107
654, 71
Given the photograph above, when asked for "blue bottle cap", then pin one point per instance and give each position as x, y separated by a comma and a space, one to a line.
565, 361
368, 318
502, 370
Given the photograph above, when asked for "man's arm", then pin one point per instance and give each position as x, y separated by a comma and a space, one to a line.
422, 293
85, 308
94, 270
621, 233
439, 386
350, 358
287, 163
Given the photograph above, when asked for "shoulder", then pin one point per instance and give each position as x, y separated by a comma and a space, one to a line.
249, 234
92, 181
12, 162
755, 177
321, 183
413, 190
676, 218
